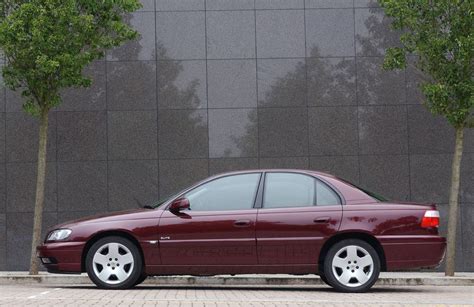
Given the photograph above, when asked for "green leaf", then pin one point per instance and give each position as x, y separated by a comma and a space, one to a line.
440, 33
48, 43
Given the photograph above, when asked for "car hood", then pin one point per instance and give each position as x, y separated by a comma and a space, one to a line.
133, 214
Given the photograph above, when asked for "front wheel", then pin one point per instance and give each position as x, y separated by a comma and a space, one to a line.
352, 266
114, 263
141, 279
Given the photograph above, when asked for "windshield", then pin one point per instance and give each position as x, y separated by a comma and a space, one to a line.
160, 202
165, 199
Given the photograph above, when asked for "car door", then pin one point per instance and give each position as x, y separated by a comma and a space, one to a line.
298, 213
219, 227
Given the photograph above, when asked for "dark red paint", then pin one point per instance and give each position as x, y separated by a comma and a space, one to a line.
283, 240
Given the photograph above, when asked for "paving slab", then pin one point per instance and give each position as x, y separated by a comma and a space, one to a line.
389, 278
242, 296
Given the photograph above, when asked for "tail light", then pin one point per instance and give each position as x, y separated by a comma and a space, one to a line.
430, 219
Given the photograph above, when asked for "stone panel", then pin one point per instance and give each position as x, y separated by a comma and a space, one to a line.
333, 131
176, 175
21, 187
81, 136
132, 135
329, 33
132, 184
283, 132
21, 135
19, 233
230, 34
131, 85
386, 175
182, 134
233, 133
232, 83
180, 35
280, 33
82, 186
383, 130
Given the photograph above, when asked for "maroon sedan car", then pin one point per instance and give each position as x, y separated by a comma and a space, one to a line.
259, 221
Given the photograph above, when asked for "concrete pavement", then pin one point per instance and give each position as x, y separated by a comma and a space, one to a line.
391, 278
196, 296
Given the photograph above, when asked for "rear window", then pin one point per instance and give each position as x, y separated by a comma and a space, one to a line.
375, 196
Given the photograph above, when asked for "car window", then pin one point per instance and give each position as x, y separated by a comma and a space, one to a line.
376, 196
325, 196
235, 192
296, 190
288, 190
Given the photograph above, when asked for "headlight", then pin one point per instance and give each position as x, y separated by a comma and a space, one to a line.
58, 234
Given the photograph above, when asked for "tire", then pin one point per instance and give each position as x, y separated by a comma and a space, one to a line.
352, 265
323, 278
114, 263
141, 279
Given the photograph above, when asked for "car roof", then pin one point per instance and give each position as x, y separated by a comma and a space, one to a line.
283, 170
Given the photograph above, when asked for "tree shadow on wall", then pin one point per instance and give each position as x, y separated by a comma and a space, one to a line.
375, 34
141, 49
376, 85
181, 100
317, 82
182, 121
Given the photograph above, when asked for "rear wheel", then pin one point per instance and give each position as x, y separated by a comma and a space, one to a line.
323, 278
114, 263
352, 266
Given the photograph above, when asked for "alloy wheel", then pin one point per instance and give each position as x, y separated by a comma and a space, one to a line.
352, 266
113, 263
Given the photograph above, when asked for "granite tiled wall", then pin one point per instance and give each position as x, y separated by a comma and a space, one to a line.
218, 85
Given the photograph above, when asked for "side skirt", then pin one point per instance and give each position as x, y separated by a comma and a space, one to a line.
205, 270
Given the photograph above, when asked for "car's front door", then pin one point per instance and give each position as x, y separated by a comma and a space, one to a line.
218, 228
298, 213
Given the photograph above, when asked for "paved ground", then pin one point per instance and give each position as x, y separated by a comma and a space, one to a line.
87, 295
385, 279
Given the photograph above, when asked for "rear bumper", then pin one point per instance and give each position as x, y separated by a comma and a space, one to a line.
412, 252
64, 257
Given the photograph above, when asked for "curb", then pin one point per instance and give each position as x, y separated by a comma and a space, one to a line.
227, 280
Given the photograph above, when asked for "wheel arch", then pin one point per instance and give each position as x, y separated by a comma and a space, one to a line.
370, 239
108, 233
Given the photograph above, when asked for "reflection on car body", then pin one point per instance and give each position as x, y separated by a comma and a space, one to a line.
257, 221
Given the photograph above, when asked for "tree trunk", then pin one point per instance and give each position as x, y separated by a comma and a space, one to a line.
40, 184
453, 203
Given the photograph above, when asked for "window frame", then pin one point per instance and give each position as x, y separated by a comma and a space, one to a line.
209, 180
261, 192
258, 202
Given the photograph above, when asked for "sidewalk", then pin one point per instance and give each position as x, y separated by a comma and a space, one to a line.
398, 279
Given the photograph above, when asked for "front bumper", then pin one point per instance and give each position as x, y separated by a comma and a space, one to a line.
63, 257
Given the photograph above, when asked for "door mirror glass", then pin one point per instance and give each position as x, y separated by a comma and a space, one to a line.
179, 205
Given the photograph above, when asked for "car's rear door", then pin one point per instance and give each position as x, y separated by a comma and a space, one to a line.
219, 228
298, 213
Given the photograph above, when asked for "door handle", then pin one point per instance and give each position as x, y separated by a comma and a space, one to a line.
242, 223
322, 220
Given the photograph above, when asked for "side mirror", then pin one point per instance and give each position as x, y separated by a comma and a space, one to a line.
179, 205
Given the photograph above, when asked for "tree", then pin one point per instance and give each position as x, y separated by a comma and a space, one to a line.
439, 33
47, 44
